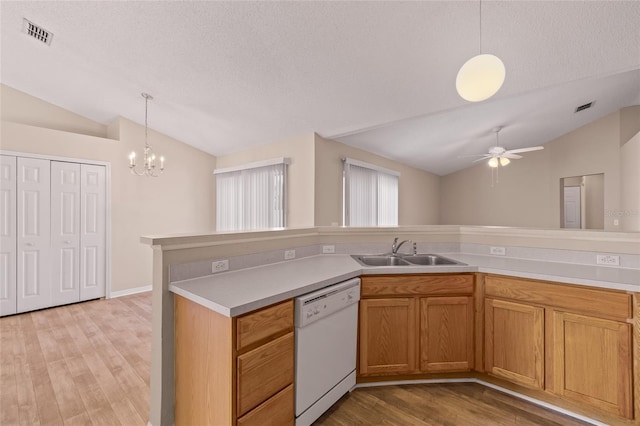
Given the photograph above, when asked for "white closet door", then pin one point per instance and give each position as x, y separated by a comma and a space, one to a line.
8, 235
33, 248
65, 232
92, 232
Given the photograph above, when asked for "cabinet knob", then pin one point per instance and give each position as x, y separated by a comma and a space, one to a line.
67, 242
29, 244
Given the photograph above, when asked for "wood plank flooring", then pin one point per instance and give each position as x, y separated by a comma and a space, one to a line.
88, 364
450, 404
81, 364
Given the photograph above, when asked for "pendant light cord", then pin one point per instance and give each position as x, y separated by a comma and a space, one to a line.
481, 27
146, 107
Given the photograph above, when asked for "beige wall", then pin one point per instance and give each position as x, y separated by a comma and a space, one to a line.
179, 201
418, 191
18, 107
300, 173
528, 193
629, 123
594, 201
629, 215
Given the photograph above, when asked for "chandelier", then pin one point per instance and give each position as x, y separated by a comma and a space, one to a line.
149, 166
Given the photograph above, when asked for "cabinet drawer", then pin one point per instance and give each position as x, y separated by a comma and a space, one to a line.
276, 411
263, 372
260, 326
402, 285
615, 305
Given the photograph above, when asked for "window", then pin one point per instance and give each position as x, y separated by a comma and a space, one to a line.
370, 195
252, 196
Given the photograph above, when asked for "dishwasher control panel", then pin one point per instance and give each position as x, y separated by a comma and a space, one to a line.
322, 303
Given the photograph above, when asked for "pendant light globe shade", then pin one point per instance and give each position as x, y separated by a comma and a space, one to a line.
480, 78
493, 162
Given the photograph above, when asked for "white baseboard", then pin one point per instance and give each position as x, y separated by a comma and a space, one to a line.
129, 291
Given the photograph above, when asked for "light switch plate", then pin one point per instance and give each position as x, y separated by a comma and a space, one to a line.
330, 249
289, 254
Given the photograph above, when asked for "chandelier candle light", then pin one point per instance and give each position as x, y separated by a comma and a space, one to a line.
149, 167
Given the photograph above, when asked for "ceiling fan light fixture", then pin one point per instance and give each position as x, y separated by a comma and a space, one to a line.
480, 77
493, 162
504, 161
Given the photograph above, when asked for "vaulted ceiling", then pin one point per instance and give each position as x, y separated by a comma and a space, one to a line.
380, 76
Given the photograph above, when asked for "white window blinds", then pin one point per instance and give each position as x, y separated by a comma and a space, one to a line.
252, 196
370, 195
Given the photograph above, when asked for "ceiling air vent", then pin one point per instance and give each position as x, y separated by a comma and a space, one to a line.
39, 33
585, 106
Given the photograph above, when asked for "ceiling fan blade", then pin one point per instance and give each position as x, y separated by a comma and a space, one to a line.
483, 158
508, 154
533, 148
472, 155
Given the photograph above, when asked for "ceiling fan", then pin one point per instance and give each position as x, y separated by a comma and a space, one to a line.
498, 155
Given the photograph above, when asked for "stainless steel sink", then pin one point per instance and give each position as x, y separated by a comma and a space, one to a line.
430, 260
381, 260
404, 260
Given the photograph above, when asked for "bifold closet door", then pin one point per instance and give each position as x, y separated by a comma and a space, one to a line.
33, 239
65, 232
92, 231
8, 240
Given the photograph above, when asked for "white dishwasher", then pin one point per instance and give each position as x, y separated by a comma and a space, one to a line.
326, 324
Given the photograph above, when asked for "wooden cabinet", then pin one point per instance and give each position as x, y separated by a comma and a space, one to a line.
592, 361
387, 336
514, 342
232, 371
446, 334
412, 324
574, 342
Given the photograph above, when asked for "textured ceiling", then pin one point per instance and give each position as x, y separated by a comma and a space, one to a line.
376, 75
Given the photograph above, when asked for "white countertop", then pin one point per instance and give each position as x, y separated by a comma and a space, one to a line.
238, 292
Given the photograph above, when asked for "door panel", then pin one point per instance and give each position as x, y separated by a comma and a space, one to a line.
33, 239
65, 232
93, 232
8, 238
514, 342
446, 334
592, 362
387, 336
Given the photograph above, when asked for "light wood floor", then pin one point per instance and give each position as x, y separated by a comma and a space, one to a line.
88, 363
451, 404
80, 364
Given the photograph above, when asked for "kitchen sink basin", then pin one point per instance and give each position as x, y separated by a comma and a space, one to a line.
404, 260
381, 260
430, 260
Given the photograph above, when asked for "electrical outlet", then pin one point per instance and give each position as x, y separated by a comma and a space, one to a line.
219, 266
328, 249
498, 251
608, 259
289, 254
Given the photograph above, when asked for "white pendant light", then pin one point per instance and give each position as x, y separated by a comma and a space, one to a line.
504, 161
481, 76
493, 162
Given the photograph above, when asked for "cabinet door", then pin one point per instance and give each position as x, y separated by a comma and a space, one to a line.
93, 232
514, 342
33, 248
387, 336
592, 361
8, 239
446, 334
65, 232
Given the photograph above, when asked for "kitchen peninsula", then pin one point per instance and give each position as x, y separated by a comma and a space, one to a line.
545, 281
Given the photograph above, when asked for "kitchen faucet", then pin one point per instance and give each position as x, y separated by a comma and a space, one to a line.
395, 246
